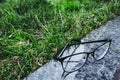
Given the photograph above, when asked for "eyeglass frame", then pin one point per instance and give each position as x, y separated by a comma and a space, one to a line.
57, 57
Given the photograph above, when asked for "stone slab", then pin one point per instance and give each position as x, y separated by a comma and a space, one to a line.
106, 69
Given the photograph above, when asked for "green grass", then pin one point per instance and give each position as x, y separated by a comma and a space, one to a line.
32, 31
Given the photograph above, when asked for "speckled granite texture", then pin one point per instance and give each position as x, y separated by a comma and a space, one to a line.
106, 69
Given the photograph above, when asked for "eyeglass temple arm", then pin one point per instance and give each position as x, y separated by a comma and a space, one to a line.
61, 59
75, 41
85, 52
79, 42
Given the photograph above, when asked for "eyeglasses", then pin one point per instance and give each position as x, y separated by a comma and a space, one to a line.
75, 53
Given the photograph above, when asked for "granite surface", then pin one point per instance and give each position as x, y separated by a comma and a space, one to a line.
106, 69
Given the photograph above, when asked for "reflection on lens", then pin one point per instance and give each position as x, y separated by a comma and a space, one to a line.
101, 51
75, 62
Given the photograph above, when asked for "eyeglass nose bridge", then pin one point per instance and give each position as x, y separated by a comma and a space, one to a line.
90, 56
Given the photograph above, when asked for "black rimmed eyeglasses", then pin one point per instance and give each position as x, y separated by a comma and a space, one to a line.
75, 54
